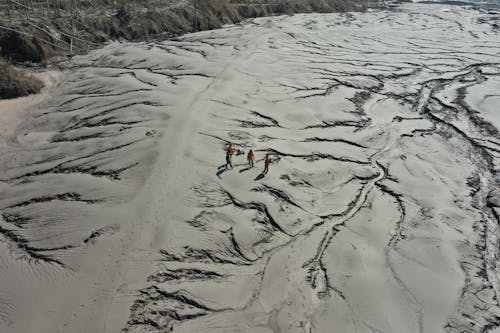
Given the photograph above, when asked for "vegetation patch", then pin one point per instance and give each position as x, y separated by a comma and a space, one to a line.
15, 83
35, 31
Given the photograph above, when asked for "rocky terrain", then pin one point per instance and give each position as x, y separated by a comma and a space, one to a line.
380, 212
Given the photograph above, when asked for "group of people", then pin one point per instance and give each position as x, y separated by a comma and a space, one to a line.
250, 158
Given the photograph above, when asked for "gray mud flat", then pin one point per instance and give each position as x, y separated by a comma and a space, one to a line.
380, 212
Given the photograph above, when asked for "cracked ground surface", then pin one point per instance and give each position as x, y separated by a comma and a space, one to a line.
380, 212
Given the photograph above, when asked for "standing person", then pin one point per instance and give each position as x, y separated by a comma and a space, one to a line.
251, 159
229, 155
267, 161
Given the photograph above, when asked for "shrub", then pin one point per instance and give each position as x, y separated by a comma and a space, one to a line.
14, 83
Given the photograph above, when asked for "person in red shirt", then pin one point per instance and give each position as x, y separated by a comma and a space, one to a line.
267, 161
251, 159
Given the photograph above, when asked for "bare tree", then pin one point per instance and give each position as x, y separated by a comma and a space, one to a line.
26, 9
195, 14
8, 12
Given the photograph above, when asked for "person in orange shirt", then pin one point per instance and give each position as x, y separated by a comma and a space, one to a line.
230, 149
267, 161
251, 159
229, 155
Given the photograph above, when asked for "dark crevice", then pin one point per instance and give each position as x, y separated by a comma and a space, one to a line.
358, 124
317, 139
134, 75
15, 219
188, 274
68, 196
191, 255
278, 194
86, 121
102, 95
150, 310
32, 253
236, 246
61, 168
315, 157
259, 207
95, 234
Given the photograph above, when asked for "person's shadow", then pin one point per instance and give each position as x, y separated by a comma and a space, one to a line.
220, 170
259, 177
245, 169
